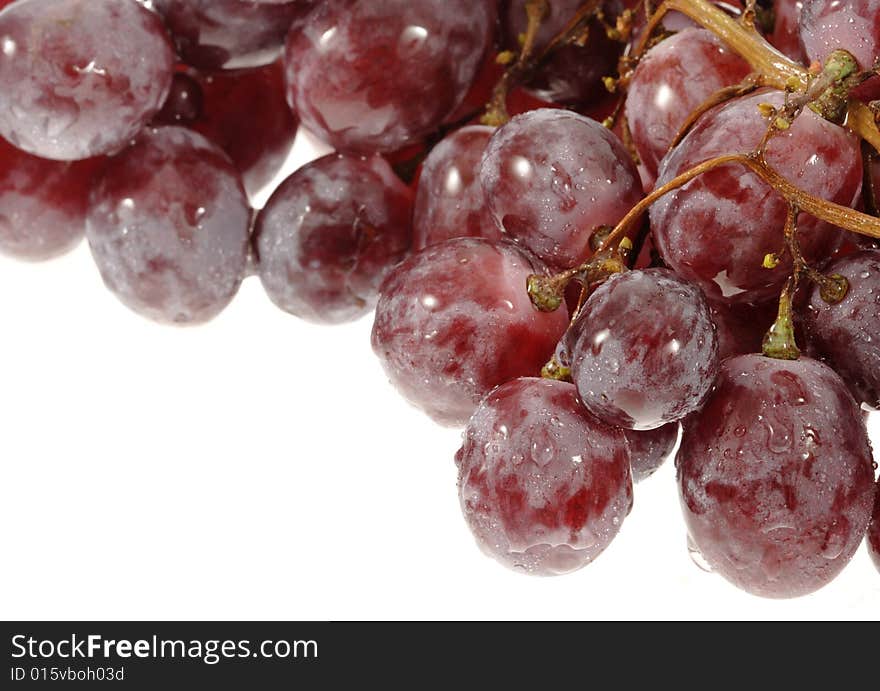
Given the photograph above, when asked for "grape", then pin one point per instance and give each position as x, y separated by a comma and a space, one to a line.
454, 321
229, 34
673, 79
185, 102
642, 373
80, 78
847, 334
775, 475
785, 36
550, 177
741, 328
544, 486
246, 115
450, 202
375, 76
874, 532
330, 234
648, 450
573, 74
853, 25
42, 203
168, 227
717, 229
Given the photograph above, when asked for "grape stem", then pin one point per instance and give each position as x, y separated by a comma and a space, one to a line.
528, 61
547, 292
776, 69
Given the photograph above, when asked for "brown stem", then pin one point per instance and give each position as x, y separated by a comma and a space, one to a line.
779, 341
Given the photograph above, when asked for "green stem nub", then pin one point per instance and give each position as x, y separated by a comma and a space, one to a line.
546, 292
779, 341
553, 370
832, 105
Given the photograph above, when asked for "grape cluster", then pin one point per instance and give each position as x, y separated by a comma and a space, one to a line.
665, 217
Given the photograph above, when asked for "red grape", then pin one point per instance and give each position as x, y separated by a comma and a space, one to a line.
168, 227
80, 78
551, 177
573, 73
717, 229
642, 373
42, 203
450, 201
874, 532
375, 76
329, 235
785, 36
544, 486
229, 34
185, 102
454, 321
847, 334
775, 475
649, 449
853, 25
245, 114
741, 328
673, 79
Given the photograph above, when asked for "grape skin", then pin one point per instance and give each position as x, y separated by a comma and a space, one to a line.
544, 486
853, 25
874, 532
449, 201
649, 450
329, 235
551, 177
245, 114
454, 321
717, 229
741, 328
229, 34
80, 78
168, 227
642, 373
42, 203
786, 35
847, 334
775, 475
673, 79
374, 77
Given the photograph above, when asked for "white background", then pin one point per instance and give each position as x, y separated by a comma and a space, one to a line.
263, 468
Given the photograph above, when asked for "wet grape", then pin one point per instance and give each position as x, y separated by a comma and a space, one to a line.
550, 177
847, 334
673, 79
649, 449
80, 78
852, 25
229, 34
643, 373
544, 486
455, 320
168, 227
775, 475
717, 229
450, 202
375, 76
329, 235
42, 203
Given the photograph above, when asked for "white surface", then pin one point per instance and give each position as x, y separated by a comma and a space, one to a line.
263, 468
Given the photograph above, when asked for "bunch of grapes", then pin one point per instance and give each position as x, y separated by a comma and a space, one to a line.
587, 228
